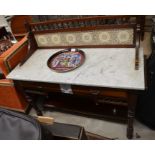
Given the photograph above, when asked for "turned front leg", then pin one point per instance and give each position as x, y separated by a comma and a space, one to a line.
132, 99
130, 124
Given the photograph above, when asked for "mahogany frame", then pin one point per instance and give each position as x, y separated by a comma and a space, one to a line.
94, 92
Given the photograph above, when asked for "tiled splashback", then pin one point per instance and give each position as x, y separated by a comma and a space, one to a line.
121, 36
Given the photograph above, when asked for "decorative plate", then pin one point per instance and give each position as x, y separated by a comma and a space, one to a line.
66, 60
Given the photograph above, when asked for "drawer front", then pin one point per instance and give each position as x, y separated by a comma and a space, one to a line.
82, 90
114, 93
100, 92
41, 86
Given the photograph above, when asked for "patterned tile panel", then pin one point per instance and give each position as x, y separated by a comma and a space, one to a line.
122, 36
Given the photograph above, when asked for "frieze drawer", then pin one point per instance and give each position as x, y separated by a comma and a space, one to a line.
41, 86
100, 92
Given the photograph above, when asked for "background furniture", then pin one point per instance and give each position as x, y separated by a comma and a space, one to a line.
5, 40
18, 25
10, 97
3, 32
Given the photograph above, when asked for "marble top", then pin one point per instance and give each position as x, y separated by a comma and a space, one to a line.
103, 67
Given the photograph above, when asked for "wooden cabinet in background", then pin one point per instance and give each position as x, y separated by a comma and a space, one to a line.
18, 25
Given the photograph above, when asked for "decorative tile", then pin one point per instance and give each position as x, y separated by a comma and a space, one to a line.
42, 40
104, 37
123, 36
55, 39
70, 38
87, 37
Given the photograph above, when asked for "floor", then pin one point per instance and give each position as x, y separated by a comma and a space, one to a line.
101, 127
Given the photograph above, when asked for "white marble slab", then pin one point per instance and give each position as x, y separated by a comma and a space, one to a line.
103, 67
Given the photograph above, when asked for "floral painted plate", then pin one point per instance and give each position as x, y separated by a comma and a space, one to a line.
66, 60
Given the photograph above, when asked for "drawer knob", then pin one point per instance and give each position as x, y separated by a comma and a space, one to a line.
95, 92
114, 111
40, 87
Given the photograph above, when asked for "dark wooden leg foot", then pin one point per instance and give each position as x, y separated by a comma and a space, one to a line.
129, 133
33, 100
37, 109
130, 125
39, 104
28, 109
36, 105
39, 113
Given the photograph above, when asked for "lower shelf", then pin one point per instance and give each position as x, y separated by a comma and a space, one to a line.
86, 106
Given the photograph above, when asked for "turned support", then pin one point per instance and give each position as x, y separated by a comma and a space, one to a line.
132, 99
